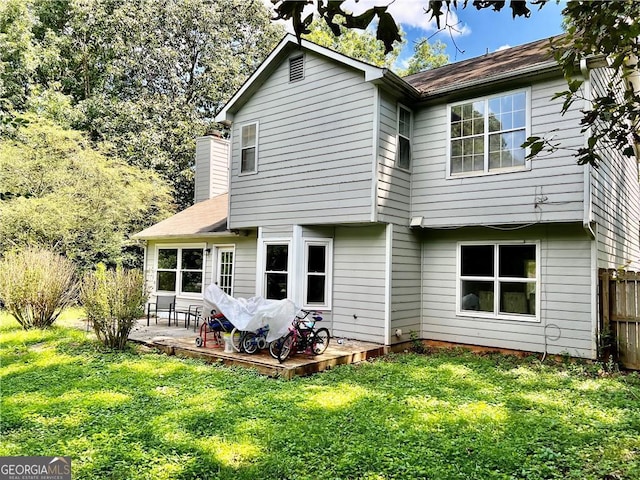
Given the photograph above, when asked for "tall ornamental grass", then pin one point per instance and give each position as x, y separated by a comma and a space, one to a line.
113, 301
36, 285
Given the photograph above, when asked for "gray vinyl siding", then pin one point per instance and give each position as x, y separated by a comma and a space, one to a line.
359, 259
406, 283
244, 275
211, 175
315, 141
394, 184
504, 198
244, 265
566, 311
616, 201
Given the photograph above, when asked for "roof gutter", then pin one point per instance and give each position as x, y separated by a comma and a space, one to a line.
397, 82
190, 236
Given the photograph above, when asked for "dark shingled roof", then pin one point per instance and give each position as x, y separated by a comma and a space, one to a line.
206, 217
507, 62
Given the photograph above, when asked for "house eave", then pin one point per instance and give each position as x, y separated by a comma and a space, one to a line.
397, 83
190, 236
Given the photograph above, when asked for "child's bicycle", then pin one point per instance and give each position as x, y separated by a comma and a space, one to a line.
302, 337
251, 342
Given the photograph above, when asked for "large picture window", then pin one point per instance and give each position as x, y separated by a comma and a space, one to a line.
317, 275
498, 280
486, 134
180, 270
276, 271
249, 148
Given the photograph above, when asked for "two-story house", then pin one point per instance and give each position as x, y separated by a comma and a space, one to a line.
400, 205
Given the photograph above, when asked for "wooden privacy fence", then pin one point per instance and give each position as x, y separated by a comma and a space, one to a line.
620, 315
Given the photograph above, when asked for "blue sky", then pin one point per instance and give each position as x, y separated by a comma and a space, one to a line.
478, 31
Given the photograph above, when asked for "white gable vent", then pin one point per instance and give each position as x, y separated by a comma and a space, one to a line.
296, 68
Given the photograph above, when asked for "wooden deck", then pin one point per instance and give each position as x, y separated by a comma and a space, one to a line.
180, 341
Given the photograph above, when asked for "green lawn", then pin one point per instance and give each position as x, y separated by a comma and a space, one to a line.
449, 415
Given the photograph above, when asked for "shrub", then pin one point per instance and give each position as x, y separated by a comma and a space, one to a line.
113, 300
36, 285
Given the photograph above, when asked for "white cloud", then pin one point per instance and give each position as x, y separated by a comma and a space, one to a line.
503, 47
409, 13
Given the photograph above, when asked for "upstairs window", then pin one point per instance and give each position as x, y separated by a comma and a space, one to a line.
296, 68
403, 155
486, 134
249, 148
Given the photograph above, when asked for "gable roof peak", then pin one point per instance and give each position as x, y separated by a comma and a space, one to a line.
288, 44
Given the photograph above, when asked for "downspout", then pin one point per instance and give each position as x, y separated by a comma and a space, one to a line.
388, 283
374, 147
588, 218
632, 83
587, 200
145, 268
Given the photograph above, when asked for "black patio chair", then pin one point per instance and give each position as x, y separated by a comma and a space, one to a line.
163, 303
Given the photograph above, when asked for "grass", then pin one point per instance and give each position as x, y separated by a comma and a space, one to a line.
446, 415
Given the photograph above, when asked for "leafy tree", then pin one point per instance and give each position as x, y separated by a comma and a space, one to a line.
359, 45
425, 57
18, 59
608, 28
145, 76
60, 192
611, 29
364, 46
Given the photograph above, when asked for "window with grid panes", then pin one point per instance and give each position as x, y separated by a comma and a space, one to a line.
486, 134
225, 270
248, 149
404, 138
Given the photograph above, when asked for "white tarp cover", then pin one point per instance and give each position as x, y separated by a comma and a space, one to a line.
251, 313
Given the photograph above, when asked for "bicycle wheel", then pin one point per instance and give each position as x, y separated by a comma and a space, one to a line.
236, 339
288, 344
320, 341
275, 346
249, 342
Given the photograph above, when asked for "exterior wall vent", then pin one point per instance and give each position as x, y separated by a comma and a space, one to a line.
296, 68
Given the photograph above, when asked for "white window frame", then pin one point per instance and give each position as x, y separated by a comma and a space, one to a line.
328, 274
400, 135
263, 266
486, 170
178, 290
496, 314
254, 146
220, 249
